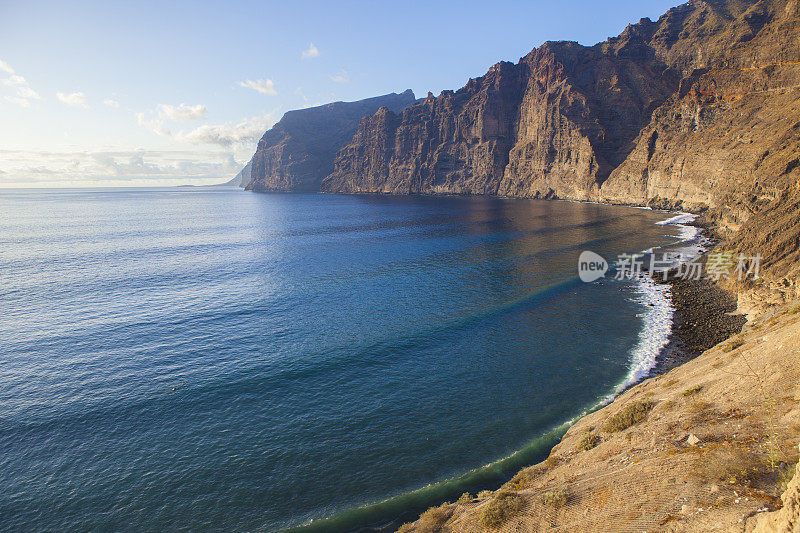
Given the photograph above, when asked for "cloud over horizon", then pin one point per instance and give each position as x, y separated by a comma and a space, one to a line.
116, 167
182, 112
155, 121
341, 77
248, 130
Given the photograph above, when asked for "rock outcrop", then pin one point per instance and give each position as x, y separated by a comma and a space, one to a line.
787, 518
699, 109
297, 152
694, 110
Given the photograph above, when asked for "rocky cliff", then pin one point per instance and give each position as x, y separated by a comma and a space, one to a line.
296, 153
699, 109
696, 109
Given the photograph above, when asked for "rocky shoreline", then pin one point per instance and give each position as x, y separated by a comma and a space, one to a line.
704, 315
708, 442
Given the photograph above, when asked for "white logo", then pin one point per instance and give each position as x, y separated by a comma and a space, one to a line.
591, 266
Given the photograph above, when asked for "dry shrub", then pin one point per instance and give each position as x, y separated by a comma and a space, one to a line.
631, 414
735, 343
735, 466
433, 519
552, 461
557, 498
505, 506
589, 441
523, 479
785, 475
465, 498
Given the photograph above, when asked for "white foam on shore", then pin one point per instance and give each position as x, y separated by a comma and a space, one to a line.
657, 317
656, 329
681, 220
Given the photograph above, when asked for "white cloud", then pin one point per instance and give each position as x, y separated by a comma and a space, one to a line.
23, 94
27, 92
134, 167
262, 86
182, 112
74, 99
299, 92
341, 77
248, 130
155, 121
22, 102
111, 102
310, 52
154, 124
14, 80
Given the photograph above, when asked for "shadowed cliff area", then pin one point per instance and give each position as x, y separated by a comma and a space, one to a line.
297, 152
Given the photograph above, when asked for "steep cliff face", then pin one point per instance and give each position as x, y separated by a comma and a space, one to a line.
696, 109
581, 111
552, 124
728, 136
296, 153
456, 143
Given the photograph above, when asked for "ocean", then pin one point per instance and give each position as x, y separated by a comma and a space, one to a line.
207, 359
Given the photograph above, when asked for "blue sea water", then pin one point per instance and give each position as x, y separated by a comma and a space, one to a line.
207, 359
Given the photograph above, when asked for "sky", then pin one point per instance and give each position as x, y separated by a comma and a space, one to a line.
166, 93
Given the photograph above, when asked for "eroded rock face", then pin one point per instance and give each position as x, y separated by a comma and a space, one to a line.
787, 519
697, 109
552, 125
728, 136
296, 153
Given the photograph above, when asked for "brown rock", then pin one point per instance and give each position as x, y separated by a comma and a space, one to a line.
296, 153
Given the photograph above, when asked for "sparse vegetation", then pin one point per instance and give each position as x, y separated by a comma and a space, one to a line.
505, 506
552, 461
484, 494
555, 498
735, 466
589, 441
522, 479
785, 475
736, 342
692, 391
465, 498
433, 519
794, 309
631, 414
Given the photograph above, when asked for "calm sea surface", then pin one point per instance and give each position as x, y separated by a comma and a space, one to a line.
210, 359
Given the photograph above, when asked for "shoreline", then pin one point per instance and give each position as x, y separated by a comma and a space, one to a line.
654, 295
692, 372
704, 314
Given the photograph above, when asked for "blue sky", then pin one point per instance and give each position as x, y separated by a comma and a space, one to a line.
161, 93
